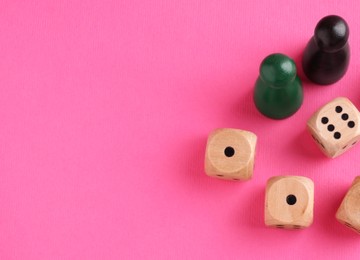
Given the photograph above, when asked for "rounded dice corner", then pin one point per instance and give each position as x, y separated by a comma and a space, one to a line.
348, 211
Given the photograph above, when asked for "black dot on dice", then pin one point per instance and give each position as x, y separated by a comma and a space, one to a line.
280, 226
338, 109
219, 175
344, 116
229, 151
331, 128
337, 135
324, 120
351, 124
291, 199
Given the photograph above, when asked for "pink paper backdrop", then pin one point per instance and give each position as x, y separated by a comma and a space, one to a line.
105, 108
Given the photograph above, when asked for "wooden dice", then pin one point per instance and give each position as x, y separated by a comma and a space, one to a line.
349, 210
289, 202
230, 154
335, 127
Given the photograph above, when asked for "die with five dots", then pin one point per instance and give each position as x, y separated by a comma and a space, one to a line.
335, 127
230, 154
349, 210
289, 202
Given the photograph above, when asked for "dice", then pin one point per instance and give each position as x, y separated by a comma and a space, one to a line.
230, 154
349, 210
335, 127
289, 202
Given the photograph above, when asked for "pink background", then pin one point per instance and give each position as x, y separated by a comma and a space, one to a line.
105, 108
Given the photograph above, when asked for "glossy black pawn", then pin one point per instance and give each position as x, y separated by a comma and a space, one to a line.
326, 56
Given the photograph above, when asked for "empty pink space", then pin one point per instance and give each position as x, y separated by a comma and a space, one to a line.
105, 108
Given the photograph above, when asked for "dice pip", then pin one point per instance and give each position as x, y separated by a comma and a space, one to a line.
349, 210
335, 127
230, 154
289, 202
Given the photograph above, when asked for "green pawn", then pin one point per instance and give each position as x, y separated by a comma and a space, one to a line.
278, 92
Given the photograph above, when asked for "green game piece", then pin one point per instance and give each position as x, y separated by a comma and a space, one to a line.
278, 92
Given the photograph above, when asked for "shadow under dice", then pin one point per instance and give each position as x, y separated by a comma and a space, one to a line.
289, 202
230, 154
335, 127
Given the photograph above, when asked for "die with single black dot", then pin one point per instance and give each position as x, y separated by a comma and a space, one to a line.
289, 202
349, 210
335, 127
230, 154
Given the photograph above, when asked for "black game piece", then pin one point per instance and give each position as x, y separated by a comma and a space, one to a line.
326, 56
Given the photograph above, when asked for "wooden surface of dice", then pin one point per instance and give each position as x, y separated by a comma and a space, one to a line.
349, 210
289, 202
230, 154
335, 127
